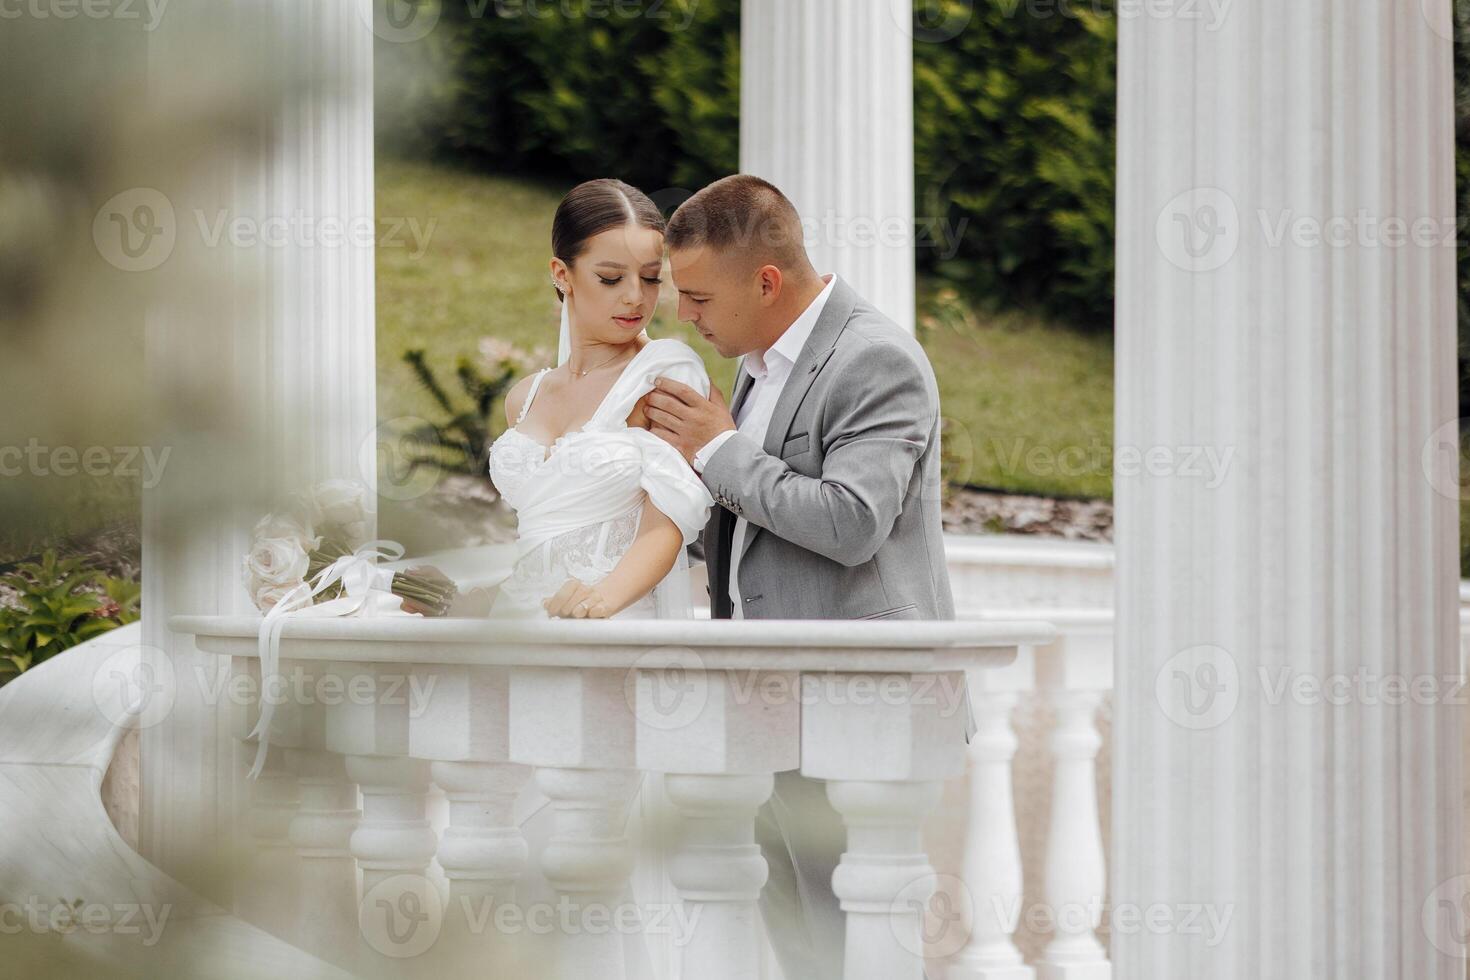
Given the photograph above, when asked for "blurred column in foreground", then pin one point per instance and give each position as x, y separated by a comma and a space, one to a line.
1287, 770
260, 346
827, 115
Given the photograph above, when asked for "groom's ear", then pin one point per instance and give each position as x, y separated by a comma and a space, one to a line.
770, 280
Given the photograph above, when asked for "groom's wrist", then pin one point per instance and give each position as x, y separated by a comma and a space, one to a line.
707, 452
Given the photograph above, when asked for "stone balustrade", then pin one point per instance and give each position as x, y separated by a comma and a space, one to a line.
373, 712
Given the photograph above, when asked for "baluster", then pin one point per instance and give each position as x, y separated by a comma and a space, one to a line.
992, 863
589, 861
884, 743
719, 736
1075, 873
575, 726
719, 872
885, 880
401, 912
269, 896
327, 875
483, 854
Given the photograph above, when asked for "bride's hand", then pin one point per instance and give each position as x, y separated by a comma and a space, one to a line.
577, 600
428, 572
475, 603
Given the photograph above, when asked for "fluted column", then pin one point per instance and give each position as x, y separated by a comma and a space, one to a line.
826, 114
1286, 307
259, 349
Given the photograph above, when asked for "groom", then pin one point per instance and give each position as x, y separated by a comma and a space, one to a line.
826, 470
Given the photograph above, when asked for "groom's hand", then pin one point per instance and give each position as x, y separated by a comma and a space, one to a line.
685, 419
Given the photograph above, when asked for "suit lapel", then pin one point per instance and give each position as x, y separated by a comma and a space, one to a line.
818, 348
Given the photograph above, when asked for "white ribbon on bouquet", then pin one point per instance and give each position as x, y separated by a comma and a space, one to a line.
358, 574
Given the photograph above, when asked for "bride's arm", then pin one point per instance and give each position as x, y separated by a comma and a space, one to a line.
648, 559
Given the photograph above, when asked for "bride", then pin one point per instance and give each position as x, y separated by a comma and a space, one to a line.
604, 507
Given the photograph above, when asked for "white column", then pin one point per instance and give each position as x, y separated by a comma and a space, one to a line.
827, 115
1320, 555
259, 357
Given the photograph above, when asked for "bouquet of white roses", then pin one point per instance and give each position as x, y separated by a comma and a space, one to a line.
293, 546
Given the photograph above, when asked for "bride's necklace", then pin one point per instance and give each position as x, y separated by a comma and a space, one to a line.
583, 374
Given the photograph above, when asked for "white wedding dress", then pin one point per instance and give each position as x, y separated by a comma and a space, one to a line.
580, 501
579, 504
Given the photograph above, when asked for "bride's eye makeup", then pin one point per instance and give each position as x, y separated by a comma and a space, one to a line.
653, 280
609, 282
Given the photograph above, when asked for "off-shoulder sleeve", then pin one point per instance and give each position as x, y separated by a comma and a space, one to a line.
673, 487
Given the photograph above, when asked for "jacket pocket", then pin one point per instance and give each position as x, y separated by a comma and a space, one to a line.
795, 446
889, 613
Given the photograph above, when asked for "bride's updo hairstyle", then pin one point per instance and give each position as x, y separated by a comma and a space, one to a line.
592, 208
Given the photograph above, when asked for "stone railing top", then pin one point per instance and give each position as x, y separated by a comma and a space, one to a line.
918, 646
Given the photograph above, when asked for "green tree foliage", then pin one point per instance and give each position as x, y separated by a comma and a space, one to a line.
648, 92
1014, 113
1014, 154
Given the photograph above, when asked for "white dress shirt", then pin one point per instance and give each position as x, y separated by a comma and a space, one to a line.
770, 368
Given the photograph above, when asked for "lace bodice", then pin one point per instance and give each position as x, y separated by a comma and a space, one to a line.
579, 502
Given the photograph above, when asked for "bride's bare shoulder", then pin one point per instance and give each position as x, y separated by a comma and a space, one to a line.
516, 398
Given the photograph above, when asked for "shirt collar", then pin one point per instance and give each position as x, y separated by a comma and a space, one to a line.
789, 345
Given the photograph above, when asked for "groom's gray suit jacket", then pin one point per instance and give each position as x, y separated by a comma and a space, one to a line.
843, 497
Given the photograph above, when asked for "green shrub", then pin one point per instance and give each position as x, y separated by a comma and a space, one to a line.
58, 610
1013, 145
1013, 126
584, 89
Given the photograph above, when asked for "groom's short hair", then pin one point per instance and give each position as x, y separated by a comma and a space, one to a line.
742, 212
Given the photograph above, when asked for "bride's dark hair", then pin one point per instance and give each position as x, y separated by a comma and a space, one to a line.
592, 208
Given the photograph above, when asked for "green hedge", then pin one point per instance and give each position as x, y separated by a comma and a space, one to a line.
649, 92
1014, 124
1014, 119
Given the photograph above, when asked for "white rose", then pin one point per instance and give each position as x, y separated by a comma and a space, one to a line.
277, 561
287, 526
266, 596
341, 502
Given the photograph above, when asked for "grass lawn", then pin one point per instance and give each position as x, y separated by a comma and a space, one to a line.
1029, 406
